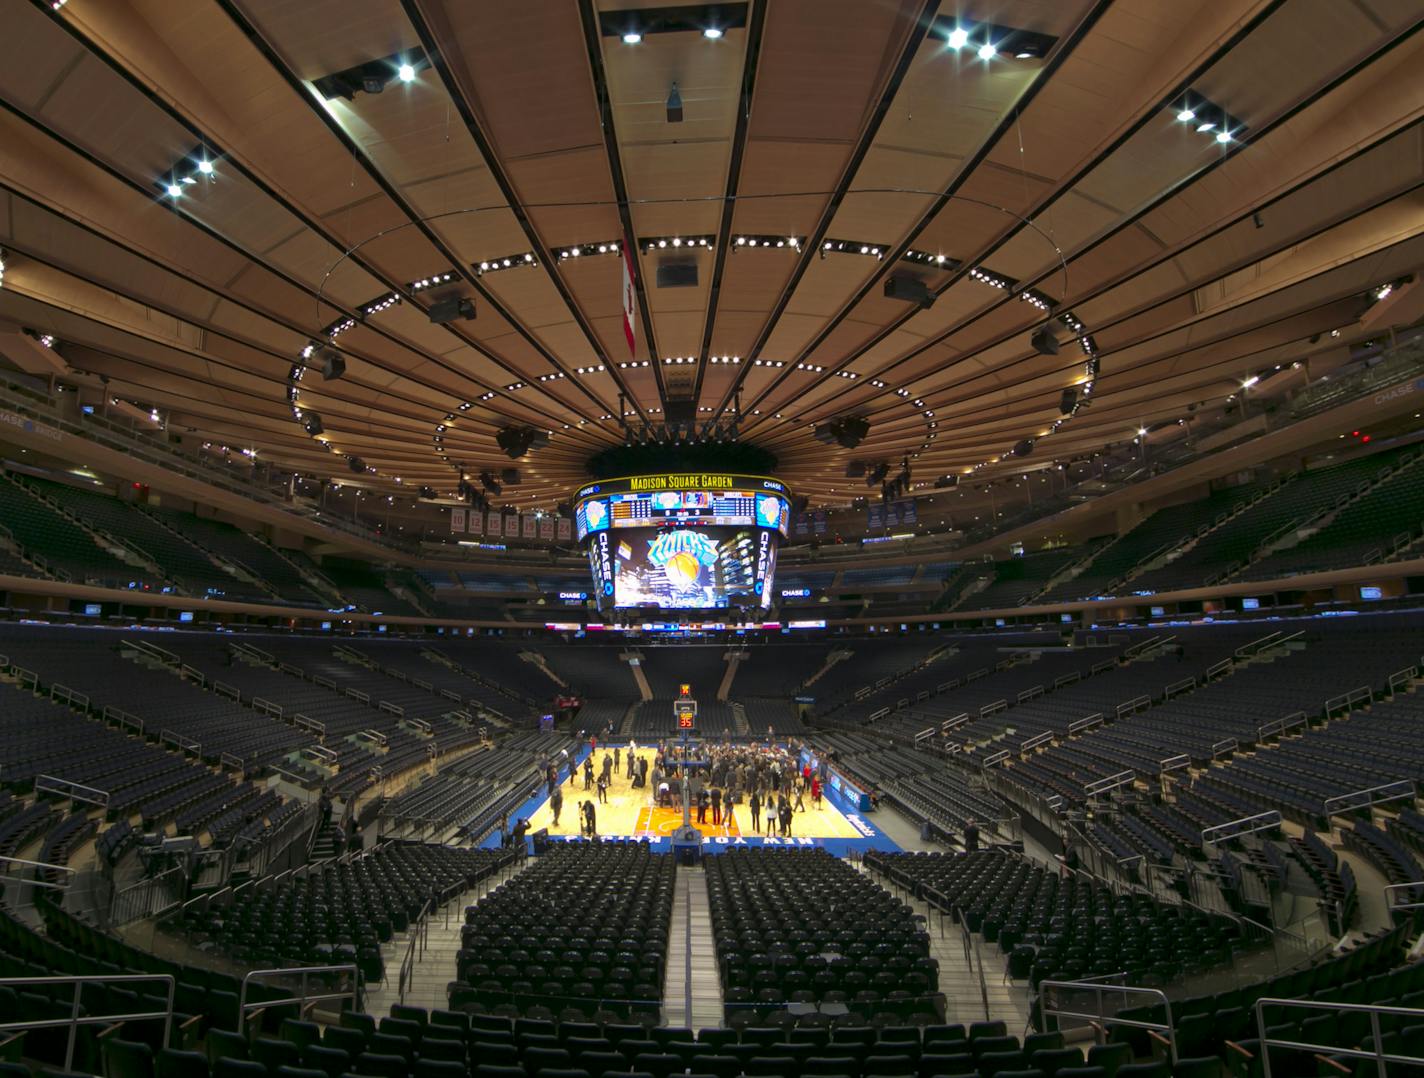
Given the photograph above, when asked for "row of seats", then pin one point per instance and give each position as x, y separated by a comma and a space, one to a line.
585, 928
798, 925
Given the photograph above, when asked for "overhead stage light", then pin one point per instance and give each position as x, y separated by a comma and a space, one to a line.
312, 424
333, 366
958, 38
632, 37
451, 309
1223, 136
1044, 342
712, 33
174, 190
987, 51
406, 73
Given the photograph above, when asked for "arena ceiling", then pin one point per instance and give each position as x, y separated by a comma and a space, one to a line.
197, 194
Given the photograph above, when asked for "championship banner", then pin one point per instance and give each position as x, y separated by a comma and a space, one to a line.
821, 522
494, 523
511, 525
546, 528
529, 526
457, 521
630, 299
565, 528
875, 516
476, 522
908, 513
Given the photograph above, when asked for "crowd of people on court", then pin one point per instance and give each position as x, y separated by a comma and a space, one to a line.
768, 781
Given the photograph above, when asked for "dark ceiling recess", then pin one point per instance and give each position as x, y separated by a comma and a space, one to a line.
681, 19
736, 457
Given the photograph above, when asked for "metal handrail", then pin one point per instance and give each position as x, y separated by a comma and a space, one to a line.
1374, 1010
1101, 1017
75, 1019
353, 993
419, 934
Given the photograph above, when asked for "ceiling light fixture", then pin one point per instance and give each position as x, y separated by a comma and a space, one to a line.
711, 33
958, 38
987, 51
632, 37
406, 73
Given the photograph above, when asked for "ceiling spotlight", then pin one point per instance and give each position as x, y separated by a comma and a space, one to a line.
1142, 432
711, 33
174, 190
373, 84
1382, 292
958, 38
1207, 126
987, 51
674, 106
1223, 136
1186, 116
632, 37
205, 167
405, 73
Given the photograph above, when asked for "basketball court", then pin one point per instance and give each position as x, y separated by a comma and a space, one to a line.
630, 813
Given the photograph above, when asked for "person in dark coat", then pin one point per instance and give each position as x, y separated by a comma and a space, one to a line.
557, 803
617, 760
702, 801
971, 836
785, 816
755, 805
716, 808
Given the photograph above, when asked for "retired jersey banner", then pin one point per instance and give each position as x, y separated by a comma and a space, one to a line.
529, 526
494, 523
457, 521
630, 299
476, 522
511, 525
565, 528
546, 527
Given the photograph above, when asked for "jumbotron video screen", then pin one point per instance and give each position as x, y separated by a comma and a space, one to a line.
695, 542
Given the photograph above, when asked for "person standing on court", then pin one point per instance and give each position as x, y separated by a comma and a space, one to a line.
588, 772
557, 803
603, 788
702, 802
617, 759
716, 807
785, 816
755, 805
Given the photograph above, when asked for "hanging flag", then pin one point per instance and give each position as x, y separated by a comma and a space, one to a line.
457, 520
630, 299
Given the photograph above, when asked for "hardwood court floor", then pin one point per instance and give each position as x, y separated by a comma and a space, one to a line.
632, 812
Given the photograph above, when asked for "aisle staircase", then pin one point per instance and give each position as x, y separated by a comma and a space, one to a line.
692, 990
326, 844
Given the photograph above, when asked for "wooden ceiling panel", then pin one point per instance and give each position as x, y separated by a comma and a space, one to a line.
834, 51
205, 315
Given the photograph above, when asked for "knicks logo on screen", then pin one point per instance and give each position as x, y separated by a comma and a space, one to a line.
682, 555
